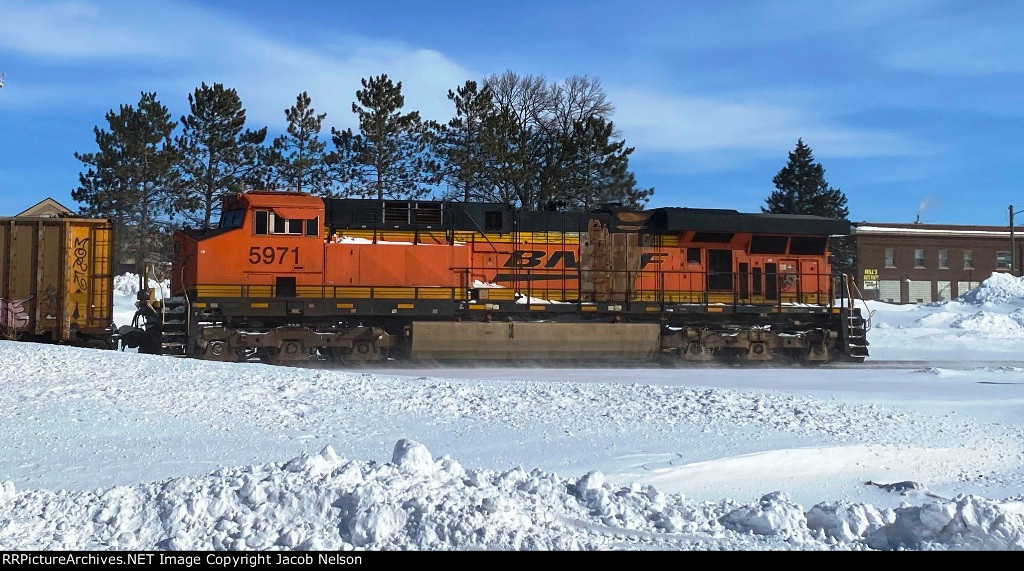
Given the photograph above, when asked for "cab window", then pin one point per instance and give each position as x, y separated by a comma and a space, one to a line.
231, 219
270, 223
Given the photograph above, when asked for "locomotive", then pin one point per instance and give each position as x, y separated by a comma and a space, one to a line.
288, 277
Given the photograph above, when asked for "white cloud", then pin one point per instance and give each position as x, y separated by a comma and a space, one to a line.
77, 29
172, 48
977, 52
689, 124
960, 39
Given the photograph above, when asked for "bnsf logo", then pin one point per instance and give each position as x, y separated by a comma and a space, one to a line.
567, 259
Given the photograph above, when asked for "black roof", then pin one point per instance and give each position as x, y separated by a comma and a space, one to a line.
499, 218
672, 220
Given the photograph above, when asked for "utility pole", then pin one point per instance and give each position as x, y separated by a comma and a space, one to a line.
1013, 247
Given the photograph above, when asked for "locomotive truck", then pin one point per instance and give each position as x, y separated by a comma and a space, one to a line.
288, 277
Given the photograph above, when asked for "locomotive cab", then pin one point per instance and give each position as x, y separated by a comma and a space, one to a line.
266, 242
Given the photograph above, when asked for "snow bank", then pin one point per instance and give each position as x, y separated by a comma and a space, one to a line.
989, 324
321, 501
127, 285
999, 288
984, 324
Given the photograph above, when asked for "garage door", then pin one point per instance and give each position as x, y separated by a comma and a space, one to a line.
889, 290
920, 292
944, 290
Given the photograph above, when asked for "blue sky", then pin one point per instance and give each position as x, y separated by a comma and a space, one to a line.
909, 105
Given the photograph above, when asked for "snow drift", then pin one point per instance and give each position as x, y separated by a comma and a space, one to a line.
997, 289
321, 501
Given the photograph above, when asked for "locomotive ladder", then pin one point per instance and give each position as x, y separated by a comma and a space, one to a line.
856, 334
174, 326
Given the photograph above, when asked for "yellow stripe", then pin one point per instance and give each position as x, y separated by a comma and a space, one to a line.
536, 308
349, 291
343, 305
715, 309
394, 292
406, 306
259, 305
434, 293
588, 308
441, 237
200, 305
652, 309
476, 306
501, 294
218, 291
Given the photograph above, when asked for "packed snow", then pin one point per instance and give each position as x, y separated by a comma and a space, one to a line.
321, 501
110, 450
126, 289
984, 324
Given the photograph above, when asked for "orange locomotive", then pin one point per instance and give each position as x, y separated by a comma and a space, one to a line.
290, 277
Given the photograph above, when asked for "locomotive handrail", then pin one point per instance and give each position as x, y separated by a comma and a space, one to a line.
661, 290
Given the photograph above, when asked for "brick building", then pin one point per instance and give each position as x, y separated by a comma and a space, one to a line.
914, 263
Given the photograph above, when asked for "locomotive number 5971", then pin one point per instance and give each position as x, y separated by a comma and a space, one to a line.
270, 255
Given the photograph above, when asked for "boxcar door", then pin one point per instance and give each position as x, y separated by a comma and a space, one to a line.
720, 270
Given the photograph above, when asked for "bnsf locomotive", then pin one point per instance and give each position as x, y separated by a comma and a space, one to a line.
289, 277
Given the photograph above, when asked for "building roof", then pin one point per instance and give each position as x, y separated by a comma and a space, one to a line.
46, 207
937, 230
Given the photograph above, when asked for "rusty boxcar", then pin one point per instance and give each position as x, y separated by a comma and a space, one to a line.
55, 280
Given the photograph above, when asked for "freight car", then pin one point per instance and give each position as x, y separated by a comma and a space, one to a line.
55, 280
287, 277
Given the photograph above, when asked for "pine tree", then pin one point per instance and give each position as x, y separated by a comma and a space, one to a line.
801, 189
217, 157
131, 178
509, 170
298, 160
388, 157
595, 168
461, 146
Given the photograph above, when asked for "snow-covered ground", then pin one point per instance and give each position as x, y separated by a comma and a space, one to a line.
985, 324
128, 451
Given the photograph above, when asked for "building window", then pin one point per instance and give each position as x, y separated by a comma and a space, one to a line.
944, 259
1002, 260
919, 258
968, 259
890, 257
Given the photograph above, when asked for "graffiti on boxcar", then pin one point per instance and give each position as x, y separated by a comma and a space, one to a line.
50, 302
13, 313
81, 265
